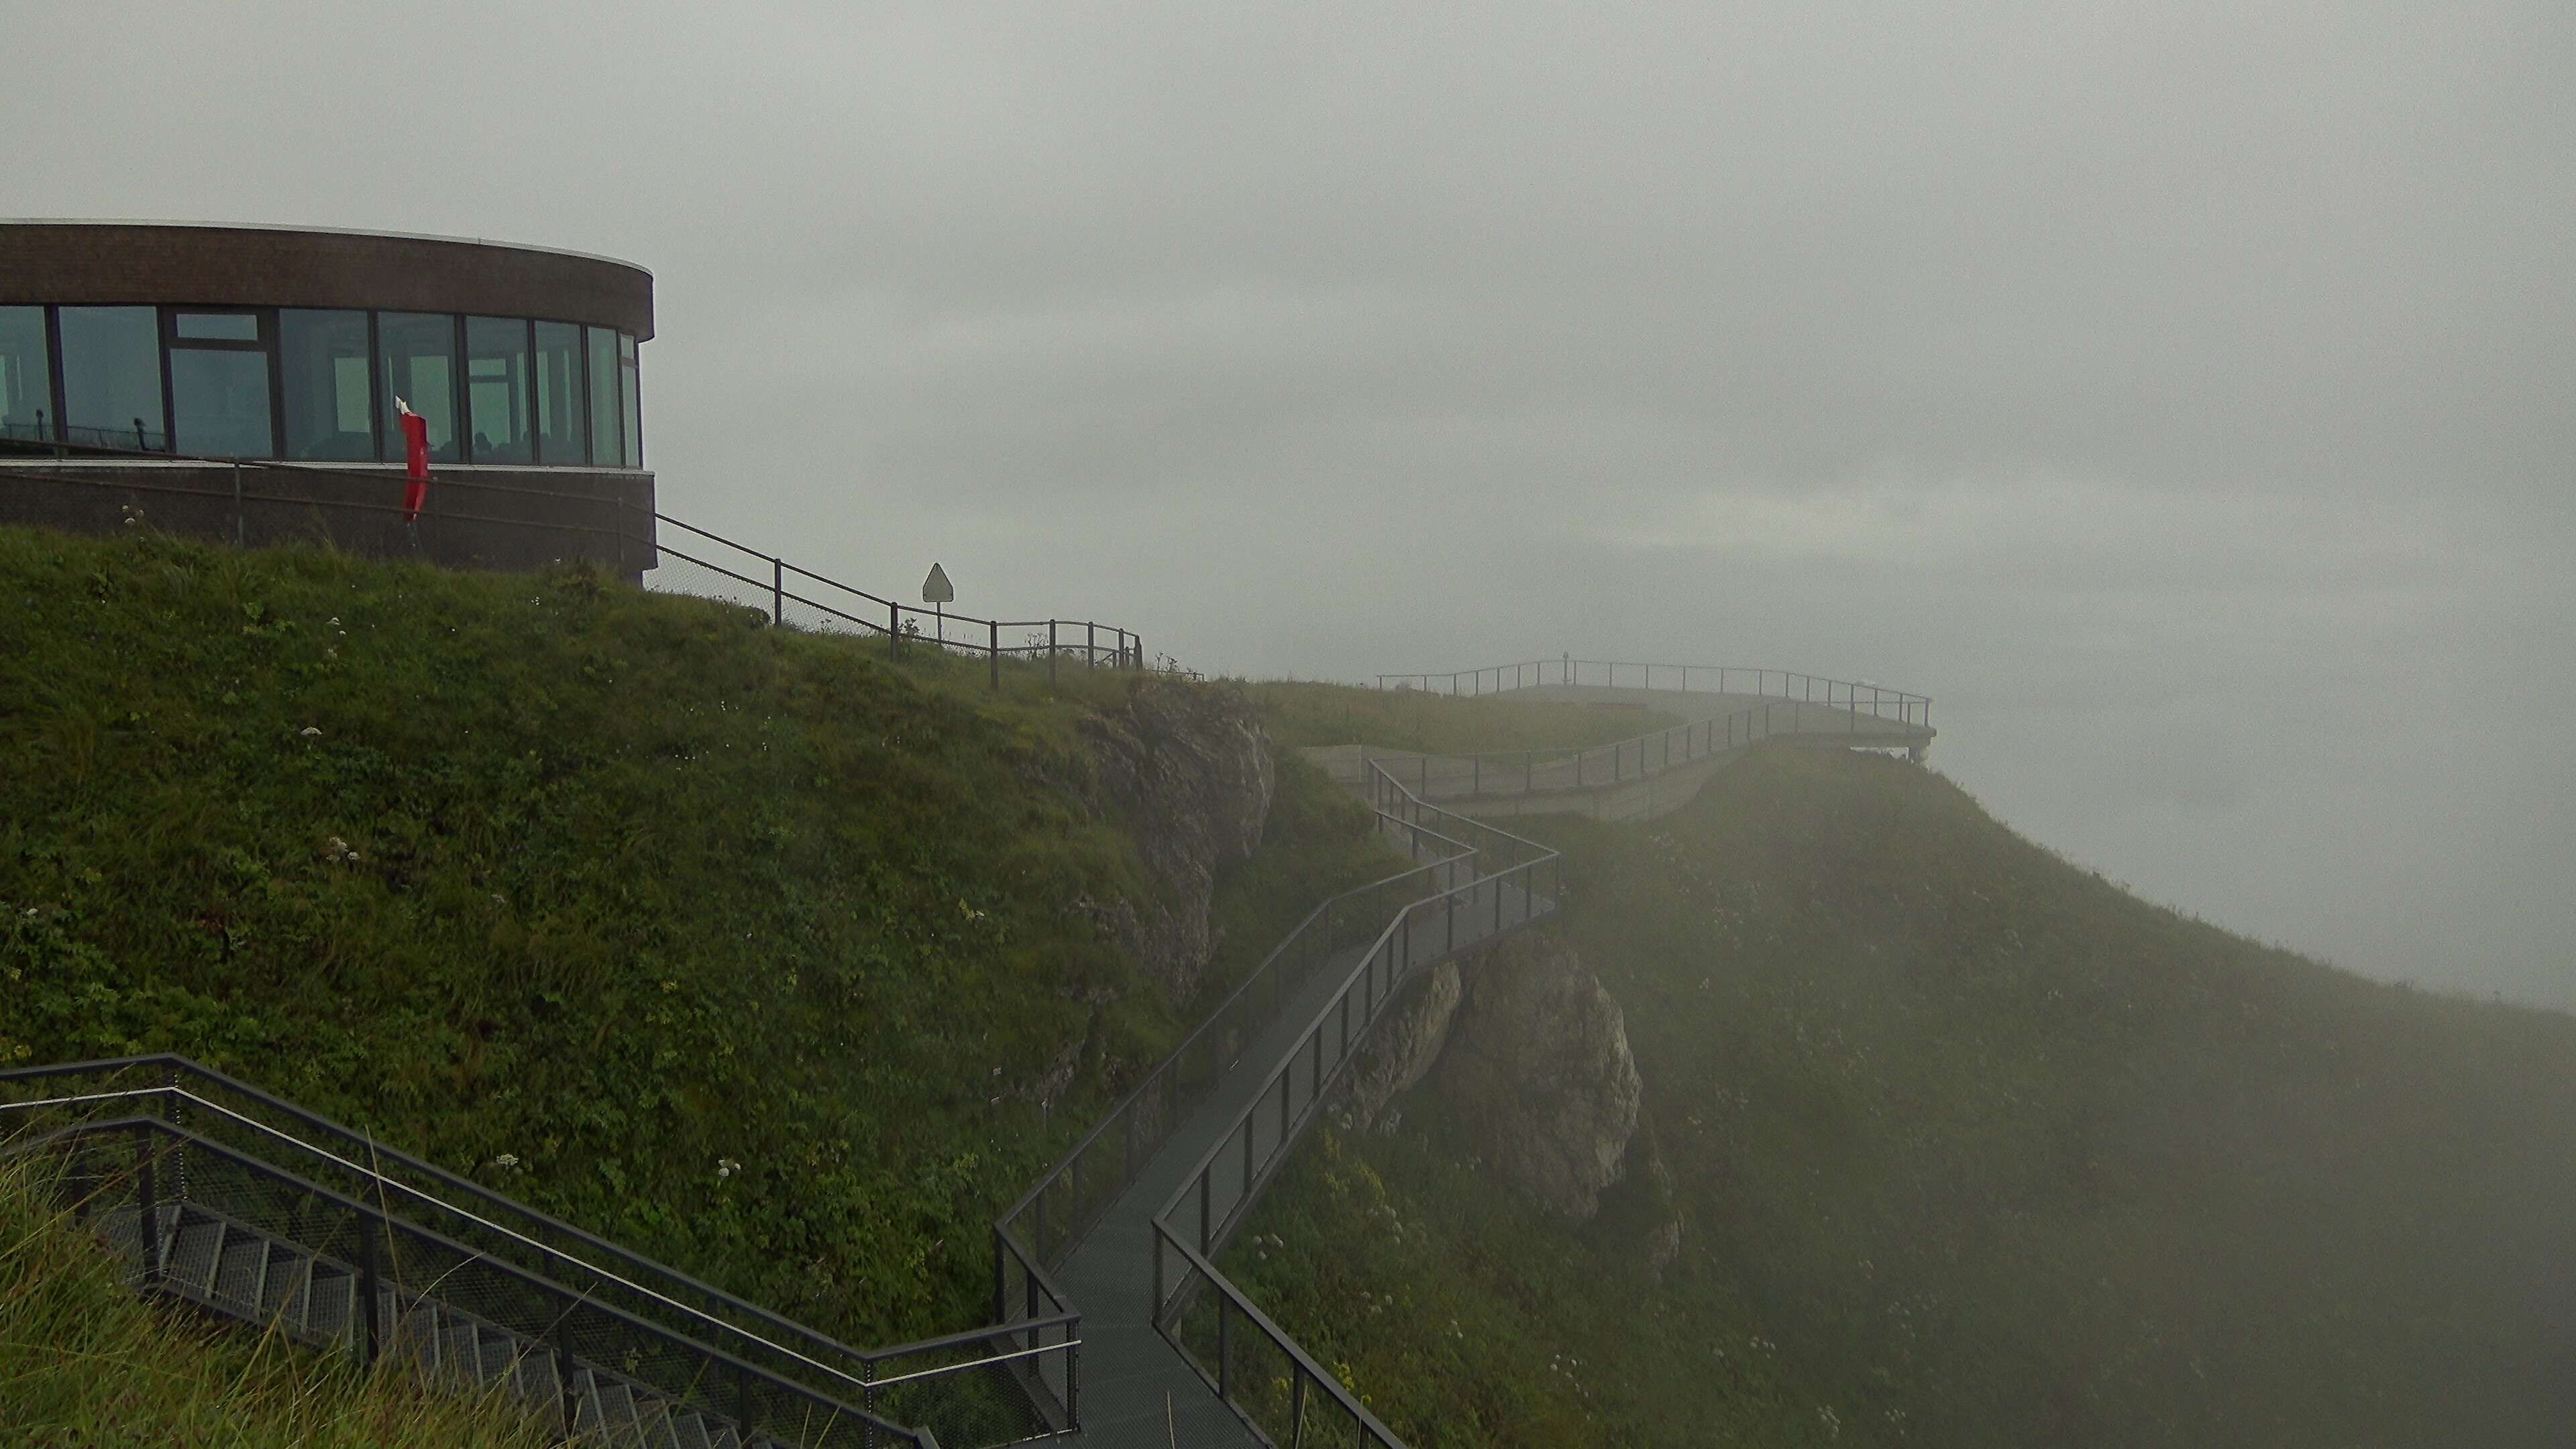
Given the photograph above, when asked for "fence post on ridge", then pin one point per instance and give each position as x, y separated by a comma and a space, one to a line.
993, 647
1050, 651
777, 591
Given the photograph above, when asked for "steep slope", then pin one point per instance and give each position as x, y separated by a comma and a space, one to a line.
750, 949
1974, 1148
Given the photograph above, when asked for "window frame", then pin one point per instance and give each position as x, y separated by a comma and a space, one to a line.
625, 360
527, 391
265, 344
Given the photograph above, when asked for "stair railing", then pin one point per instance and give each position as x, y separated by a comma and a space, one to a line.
162, 1162
992, 1384
1255, 1366
1056, 1214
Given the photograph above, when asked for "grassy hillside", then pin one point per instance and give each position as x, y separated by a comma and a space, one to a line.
1977, 1149
584, 892
85, 1364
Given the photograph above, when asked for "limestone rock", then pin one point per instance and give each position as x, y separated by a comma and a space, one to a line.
1538, 1067
1186, 770
1406, 1044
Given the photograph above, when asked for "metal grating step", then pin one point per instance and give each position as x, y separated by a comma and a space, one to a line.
248, 1274
330, 1298
193, 1249
285, 1285
240, 1273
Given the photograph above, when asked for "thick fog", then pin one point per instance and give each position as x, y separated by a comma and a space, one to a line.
2183, 394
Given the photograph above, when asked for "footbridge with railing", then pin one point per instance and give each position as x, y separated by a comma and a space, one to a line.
1723, 709
1113, 1324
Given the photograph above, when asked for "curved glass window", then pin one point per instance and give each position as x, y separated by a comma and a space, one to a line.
219, 385
330, 397
563, 427
497, 390
607, 441
629, 405
319, 384
418, 352
26, 374
112, 377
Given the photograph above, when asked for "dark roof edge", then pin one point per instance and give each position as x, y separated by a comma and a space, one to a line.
469, 241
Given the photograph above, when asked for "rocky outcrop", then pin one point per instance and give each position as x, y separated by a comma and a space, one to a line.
1405, 1045
1538, 1067
1186, 770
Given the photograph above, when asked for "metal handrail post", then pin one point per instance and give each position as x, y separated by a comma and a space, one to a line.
150, 1218
370, 1282
1223, 1358
993, 648
1050, 652
777, 590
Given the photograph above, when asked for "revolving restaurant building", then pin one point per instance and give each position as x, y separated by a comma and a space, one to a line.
240, 382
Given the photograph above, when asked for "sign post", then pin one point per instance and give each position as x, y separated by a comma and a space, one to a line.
937, 591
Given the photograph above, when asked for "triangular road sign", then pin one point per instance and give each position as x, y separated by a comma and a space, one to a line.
935, 589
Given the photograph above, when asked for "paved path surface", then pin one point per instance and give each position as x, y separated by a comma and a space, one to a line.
1129, 1371
1137, 1391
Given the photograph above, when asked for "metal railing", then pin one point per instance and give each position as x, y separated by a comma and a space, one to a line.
154, 1153
613, 516
997, 1385
1501, 883
1540, 772
711, 565
135, 437
805, 599
1061, 1209
1857, 697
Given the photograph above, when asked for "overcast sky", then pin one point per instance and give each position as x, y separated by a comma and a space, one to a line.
2183, 394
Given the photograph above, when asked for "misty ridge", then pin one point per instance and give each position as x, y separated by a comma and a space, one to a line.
2180, 1051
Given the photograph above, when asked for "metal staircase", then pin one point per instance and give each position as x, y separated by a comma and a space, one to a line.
193, 1180
235, 1270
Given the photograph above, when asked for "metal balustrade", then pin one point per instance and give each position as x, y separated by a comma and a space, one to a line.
722, 568
1064, 1205
620, 528
1502, 883
247, 1206
1860, 698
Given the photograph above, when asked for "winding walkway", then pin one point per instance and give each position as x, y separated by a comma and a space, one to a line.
1137, 1389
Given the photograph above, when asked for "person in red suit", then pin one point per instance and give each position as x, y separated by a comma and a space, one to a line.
415, 458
